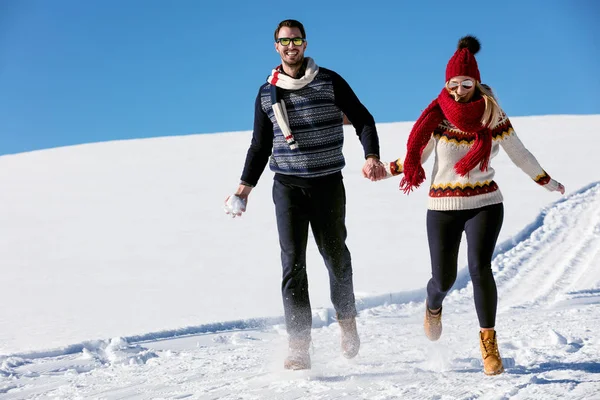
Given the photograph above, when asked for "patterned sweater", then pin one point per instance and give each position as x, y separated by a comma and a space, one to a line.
315, 115
449, 190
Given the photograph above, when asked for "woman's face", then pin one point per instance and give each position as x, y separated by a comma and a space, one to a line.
462, 88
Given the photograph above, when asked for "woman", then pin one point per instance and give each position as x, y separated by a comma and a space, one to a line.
465, 126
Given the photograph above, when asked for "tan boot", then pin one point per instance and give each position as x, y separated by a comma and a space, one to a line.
350, 339
492, 363
432, 324
298, 356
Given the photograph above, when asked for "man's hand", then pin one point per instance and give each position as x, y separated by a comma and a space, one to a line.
236, 204
373, 169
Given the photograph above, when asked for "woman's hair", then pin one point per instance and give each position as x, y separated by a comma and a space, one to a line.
492, 112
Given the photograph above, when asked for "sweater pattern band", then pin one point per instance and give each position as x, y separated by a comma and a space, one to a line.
463, 190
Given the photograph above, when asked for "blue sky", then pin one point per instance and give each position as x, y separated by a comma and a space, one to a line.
76, 71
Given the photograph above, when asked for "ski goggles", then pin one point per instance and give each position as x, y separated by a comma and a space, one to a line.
284, 41
466, 84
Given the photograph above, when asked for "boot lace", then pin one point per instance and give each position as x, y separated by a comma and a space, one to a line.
490, 347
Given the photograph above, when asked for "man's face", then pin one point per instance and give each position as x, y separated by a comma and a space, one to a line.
291, 54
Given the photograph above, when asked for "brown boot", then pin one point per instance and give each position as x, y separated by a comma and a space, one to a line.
350, 339
298, 356
432, 324
492, 363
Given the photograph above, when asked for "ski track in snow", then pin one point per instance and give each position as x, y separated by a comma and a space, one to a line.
558, 271
548, 349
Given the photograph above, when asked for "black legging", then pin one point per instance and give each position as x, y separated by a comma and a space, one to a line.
444, 231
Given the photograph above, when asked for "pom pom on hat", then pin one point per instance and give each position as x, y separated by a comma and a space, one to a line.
463, 62
470, 43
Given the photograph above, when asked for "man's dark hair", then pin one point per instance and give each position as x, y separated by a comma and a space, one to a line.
290, 23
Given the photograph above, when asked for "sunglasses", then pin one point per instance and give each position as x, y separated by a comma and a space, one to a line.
466, 84
284, 41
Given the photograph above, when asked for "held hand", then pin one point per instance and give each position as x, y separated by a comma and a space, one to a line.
561, 188
373, 169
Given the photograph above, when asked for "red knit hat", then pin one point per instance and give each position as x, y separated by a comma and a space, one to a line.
463, 61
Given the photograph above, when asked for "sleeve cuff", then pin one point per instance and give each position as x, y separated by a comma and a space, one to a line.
246, 184
396, 167
552, 185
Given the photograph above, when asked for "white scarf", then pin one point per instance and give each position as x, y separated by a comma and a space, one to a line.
277, 78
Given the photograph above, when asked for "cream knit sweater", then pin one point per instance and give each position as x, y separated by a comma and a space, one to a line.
449, 190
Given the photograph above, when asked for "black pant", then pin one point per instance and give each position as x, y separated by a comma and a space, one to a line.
324, 208
444, 231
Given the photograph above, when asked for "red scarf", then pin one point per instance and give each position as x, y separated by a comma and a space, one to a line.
466, 117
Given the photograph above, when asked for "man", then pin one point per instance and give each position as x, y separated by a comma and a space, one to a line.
298, 130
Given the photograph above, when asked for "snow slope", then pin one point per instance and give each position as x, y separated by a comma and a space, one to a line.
126, 240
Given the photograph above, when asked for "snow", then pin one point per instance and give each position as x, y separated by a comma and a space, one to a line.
122, 277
